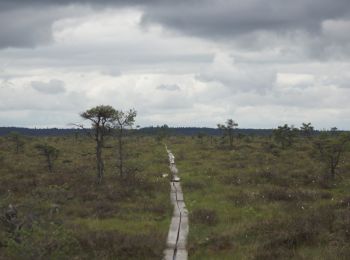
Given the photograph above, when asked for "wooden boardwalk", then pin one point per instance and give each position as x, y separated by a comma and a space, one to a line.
178, 231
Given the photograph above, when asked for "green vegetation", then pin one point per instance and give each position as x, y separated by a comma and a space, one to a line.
285, 135
18, 141
66, 215
228, 130
264, 201
49, 152
122, 121
101, 118
285, 196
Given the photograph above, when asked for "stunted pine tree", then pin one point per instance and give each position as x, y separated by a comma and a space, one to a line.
102, 118
121, 122
285, 135
331, 149
17, 139
49, 152
200, 137
162, 132
228, 130
306, 130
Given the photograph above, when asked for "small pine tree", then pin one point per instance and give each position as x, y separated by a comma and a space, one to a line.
49, 152
228, 130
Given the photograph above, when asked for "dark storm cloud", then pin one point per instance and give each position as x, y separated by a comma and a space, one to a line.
16, 4
28, 23
25, 27
228, 18
219, 19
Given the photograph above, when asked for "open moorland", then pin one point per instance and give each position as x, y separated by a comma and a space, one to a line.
258, 200
272, 197
65, 214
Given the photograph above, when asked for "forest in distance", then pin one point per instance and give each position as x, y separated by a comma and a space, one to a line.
151, 130
103, 192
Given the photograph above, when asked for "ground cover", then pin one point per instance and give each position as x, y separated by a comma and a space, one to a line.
65, 214
259, 201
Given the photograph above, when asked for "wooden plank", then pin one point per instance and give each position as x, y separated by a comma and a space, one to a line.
177, 186
179, 227
182, 239
169, 254
181, 254
173, 232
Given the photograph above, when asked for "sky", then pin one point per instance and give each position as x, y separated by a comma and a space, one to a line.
262, 63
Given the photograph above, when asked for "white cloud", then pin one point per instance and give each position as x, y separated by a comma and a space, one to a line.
168, 87
54, 86
294, 79
106, 57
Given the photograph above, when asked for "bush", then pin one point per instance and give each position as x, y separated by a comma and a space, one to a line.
216, 242
193, 185
281, 237
280, 194
204, 216
39, 242
242, 198
115, 245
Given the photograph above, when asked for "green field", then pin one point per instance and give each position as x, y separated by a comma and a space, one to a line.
259, 201
66, 215
256, 200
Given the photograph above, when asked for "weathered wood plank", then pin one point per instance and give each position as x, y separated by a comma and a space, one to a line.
179, 226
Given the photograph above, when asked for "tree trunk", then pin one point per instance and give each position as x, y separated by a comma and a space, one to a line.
99, 163
49, 163
100, 166
332, 173
231, 139
121, 152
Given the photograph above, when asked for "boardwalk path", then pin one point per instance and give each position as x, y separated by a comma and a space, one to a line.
178, 231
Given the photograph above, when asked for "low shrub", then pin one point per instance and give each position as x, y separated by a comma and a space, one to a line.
204, 216
115, 245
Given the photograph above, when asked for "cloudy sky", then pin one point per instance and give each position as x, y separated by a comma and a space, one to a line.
183, 63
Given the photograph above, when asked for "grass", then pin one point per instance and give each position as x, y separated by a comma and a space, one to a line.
255, 201
65, 214
258, 201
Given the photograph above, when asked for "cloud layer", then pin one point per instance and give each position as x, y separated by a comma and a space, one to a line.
261, 62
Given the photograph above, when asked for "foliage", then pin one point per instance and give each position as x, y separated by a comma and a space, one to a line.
121, 121
201, 136
162, 132
263, 202
228, 130
285, 135
306, 130
255, 202
102, 118
331, 148
50, 153
67, 216
17, 139
53, 242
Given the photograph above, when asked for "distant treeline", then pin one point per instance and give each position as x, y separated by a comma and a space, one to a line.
188, 131
41, 131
